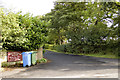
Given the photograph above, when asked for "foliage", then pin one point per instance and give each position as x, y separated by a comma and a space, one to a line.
60, 48
43, 60
12, 35
48, 46
36, 32
12, 64
4, 64
22, 32
44, 51
85, 25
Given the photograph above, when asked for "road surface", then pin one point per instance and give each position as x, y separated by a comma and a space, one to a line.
68, 66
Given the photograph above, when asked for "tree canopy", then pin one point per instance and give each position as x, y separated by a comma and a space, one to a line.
22, 32
86, 25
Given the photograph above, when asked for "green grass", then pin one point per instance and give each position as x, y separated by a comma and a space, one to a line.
103, 56
43, 60
55, 51
93, 55
12, 64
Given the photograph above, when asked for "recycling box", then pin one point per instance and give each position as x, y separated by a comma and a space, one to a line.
33, 57
26, 58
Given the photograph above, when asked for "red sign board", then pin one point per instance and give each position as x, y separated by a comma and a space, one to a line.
14, 56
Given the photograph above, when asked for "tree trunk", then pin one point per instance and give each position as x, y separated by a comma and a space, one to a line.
40, 53
59, 39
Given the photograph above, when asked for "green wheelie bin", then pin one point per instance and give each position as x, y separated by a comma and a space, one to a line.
33, 57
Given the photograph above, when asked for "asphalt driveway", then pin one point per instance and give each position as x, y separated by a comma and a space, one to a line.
69, 66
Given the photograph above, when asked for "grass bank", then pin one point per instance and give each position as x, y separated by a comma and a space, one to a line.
91, 54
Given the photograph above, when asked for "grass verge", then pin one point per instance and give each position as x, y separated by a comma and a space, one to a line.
93, 55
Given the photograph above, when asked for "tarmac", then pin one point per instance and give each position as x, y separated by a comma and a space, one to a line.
68, 66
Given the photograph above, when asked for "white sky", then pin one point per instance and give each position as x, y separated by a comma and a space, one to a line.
35, 7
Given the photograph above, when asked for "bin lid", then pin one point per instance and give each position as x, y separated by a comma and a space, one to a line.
26, 53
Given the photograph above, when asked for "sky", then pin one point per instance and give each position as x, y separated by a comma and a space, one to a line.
35, 7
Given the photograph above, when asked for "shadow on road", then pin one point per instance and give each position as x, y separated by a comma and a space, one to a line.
66, 62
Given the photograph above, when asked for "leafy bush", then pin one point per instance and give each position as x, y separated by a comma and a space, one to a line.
13, 36
48, 46
4, 64
22, 32
43, 60
11, 64
43, 51
87, 49
61, 48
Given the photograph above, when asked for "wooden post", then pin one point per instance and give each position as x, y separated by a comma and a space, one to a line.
40, 53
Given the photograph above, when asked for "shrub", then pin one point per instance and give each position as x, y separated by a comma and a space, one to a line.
22, 32
48, 46
7, 64
58, 48
43, 60
43, 51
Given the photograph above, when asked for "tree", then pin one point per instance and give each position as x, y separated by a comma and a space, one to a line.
84, 24
13, 37
36, 32
23, 32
